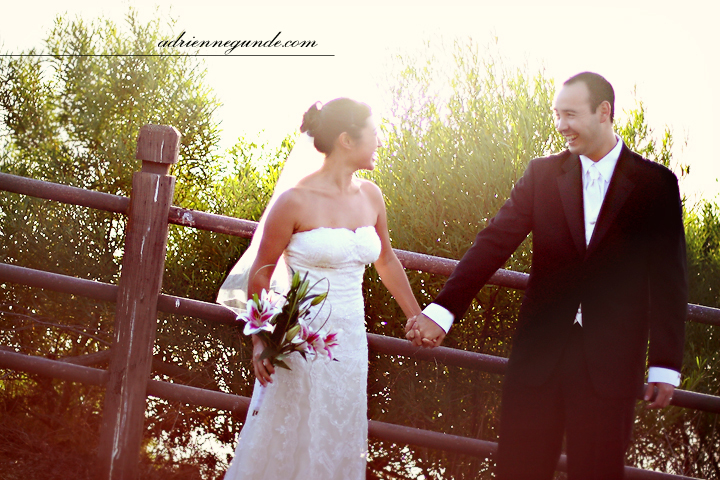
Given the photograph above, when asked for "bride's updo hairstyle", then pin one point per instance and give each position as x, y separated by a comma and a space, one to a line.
335, 117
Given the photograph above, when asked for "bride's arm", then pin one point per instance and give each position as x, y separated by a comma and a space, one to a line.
388, 266
279, 227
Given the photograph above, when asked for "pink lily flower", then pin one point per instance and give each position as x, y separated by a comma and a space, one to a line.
331, 342
258, 314
312, 340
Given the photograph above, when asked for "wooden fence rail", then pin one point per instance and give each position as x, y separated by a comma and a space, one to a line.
138, 298
239, 405
245, 229
215, 313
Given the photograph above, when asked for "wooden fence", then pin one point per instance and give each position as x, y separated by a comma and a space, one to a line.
138, 299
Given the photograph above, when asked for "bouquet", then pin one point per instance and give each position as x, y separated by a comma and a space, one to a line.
282, 322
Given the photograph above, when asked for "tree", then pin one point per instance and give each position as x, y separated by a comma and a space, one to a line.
73, 118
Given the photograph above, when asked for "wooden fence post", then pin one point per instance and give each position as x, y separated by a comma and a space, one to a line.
136, 310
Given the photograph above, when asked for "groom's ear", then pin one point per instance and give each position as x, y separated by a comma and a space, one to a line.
605, 111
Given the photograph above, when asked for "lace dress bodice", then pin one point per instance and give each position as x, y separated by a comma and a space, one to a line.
337, 257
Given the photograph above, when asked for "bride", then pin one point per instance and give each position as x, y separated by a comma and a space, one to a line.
313, 418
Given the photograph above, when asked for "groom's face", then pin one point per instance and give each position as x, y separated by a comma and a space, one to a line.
575, 120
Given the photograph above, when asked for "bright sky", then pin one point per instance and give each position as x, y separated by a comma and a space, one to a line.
668, 50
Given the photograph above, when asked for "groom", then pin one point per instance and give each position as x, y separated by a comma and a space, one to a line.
608, 273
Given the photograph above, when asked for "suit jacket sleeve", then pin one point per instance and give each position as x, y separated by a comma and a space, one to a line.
668, 283
493, 246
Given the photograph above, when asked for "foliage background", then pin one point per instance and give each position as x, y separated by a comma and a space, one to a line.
462, 129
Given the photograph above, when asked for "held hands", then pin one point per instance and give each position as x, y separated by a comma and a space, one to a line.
423, 332
263, 368
663, 393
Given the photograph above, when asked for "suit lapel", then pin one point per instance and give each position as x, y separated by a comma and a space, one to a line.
618, 192
570, 186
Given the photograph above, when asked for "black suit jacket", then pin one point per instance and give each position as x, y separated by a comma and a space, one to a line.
631, 279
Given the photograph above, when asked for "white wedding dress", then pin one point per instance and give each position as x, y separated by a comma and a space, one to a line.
313, 420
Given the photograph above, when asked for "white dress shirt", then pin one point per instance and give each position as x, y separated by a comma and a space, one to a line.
596, 180
600, 171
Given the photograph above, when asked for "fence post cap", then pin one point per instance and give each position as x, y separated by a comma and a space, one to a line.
158, 144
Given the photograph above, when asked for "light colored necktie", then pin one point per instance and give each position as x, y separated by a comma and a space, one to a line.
592, 200
593, 193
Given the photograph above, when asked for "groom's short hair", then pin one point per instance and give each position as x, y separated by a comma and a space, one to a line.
599, 88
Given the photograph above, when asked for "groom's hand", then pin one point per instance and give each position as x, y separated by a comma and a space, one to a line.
423, 332
658, 394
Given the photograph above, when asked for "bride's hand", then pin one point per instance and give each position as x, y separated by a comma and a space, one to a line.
263, 368
410, 328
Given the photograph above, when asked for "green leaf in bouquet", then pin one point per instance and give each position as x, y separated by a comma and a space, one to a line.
281, 364
269, 352
281, 326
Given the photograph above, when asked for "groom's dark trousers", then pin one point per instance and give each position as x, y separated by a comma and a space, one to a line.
631, 280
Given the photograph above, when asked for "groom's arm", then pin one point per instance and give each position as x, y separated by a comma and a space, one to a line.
493, 246
668, 295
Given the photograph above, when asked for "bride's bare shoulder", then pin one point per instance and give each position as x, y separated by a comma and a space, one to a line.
292, 197
369, 188
297, 200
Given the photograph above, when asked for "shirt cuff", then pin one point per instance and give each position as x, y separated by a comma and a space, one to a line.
664, 375
439, 315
